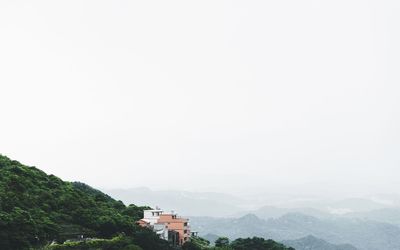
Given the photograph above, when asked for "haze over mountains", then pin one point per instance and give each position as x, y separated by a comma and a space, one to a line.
184, 202
363, 234
364, 223
264, 205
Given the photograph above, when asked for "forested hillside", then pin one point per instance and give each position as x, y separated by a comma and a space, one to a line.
36, 208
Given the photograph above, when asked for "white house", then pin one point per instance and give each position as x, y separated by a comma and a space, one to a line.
152, 216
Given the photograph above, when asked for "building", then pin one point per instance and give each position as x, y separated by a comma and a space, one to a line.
177, 224
152, 216
168, 226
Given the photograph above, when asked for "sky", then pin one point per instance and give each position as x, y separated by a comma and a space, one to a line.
204, 95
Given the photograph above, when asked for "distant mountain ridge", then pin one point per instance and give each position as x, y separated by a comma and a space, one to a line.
362, 234
312, 243
387, 215
271, 212
265, 206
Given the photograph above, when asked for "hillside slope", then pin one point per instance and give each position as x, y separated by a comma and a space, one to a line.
36, 208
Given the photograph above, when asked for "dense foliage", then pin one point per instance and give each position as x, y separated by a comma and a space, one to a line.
257, 243
222, 242
36, 209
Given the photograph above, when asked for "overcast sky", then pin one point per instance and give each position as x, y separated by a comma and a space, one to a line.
204, 94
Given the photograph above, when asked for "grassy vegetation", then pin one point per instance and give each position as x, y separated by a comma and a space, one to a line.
116, 243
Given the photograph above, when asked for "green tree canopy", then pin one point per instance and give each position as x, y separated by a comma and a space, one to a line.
222, 242
36, 208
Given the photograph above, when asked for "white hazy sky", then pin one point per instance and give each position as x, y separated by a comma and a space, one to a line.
204, 94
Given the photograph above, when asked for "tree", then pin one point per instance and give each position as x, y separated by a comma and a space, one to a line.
257, 243
189, 245
222, 242
196, 243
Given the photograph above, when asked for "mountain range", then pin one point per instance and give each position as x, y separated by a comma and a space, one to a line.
362, 234
268, 205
